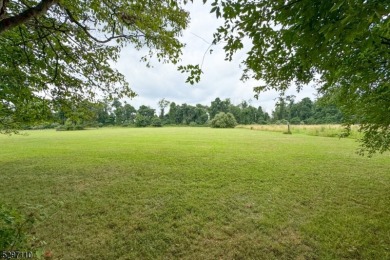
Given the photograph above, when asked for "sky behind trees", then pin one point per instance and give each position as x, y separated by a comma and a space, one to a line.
220, 79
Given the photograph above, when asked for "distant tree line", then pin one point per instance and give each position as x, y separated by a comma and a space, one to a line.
117, 113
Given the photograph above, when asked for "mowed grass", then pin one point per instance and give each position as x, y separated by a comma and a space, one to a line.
198, 193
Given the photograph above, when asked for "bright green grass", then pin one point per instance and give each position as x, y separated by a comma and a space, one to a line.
199, 193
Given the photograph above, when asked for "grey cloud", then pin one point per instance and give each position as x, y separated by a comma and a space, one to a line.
220, 78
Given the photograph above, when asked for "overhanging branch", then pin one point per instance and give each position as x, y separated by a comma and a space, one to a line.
38, 10
86, 31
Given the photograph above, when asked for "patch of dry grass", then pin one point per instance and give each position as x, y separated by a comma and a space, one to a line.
314, 130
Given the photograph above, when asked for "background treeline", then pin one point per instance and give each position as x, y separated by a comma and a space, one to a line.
117, 113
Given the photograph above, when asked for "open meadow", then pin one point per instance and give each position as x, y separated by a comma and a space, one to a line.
196, 193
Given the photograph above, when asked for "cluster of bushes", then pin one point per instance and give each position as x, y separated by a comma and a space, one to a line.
143, 121
70, 125
41, 126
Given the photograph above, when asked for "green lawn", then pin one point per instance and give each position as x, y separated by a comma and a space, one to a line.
198, 193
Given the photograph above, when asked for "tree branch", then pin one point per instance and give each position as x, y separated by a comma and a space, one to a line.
385, 40
38, 10
85, 29
288, 5
24, 47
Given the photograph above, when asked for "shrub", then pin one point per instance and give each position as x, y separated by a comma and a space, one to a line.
14, 228
156, 122
125, 123
222, 120
141, 121
69, 126
295, 121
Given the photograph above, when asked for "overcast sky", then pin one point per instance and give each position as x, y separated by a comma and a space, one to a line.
220, 79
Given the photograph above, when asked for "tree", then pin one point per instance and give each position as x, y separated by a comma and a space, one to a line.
302, 110
156, 122
162, 105
61, 50
103, 113
343, 46
129, 113
223, 120
144, 116
142, 121
119, 112
219, 106
172, 113
281, 110
78, 115
201, 115
260, 116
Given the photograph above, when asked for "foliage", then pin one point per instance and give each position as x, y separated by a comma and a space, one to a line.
105, 113
70, 125
60, 51
218, 106
141, 121
163, 103
343, 46
156, 122
185, 114
223, 120
14, 228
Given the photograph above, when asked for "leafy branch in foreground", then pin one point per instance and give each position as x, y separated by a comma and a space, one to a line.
341, 46
61, 51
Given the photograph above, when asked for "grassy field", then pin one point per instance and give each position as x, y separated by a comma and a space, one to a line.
314, 130
198, 193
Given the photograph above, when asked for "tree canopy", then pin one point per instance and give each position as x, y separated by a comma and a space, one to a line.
341, 46
60, 51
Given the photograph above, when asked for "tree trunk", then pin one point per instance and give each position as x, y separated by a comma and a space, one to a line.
3, 4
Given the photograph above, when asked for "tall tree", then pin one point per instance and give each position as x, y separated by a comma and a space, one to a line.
63, 49
129, 113
342, 45
219, 105
281, 110
163, 103
172, 113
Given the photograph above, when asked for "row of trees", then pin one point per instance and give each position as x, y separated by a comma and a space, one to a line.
306, 112
107, 113
342, 46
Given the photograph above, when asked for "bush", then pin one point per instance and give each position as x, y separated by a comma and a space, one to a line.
128, 123
141, 121
295, 121
156, 122
222, 120
14, 228
69, 126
